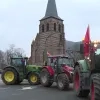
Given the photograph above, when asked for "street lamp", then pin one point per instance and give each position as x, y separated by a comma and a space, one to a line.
95, 43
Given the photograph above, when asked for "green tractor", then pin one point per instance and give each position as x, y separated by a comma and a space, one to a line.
18, 70
87, 73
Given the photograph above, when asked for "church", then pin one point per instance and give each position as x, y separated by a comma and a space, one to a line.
51, 36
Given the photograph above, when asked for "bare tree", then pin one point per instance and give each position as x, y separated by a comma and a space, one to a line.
75, 55
2, 60
13, 52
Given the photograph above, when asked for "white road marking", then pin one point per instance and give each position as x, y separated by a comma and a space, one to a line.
28, 88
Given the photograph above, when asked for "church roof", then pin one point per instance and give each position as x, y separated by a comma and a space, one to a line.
51, 10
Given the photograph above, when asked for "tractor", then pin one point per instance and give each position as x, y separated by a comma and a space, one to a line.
18, 70
87, 71
59, 69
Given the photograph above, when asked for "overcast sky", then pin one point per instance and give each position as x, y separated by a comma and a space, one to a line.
19, 20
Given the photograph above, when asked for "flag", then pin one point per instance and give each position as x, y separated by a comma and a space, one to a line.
87, 42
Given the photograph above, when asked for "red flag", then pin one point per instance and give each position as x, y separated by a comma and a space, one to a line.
48, 53
87, 42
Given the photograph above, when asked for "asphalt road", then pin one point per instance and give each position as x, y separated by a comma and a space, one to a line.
27, 92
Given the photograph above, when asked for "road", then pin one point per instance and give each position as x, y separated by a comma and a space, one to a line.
27, 92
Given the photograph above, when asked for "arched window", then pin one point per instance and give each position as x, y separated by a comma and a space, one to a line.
59, 28
54, 26
42, 28
47, 27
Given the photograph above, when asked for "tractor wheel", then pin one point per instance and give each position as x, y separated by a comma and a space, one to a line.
9, 76
45, 78
63, 81
78, 83
33, 78
95, 87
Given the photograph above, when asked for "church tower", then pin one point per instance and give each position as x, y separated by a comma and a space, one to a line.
51, 36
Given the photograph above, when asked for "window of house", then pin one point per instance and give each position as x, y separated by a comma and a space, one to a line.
42, 28
54, 26
47, 27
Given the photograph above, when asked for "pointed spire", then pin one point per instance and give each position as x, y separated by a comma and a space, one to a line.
51, 10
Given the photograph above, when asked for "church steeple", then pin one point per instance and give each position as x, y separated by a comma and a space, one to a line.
51, 10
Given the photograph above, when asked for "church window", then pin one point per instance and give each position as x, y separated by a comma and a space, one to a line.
42, 28
54, 26
47, 27
59, 28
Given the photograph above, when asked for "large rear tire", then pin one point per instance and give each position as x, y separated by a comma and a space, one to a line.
95, 87
45, 78
33, 78
9, 76
63, 82
78, 83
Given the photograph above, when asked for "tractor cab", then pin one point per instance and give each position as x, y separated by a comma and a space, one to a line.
94, 57
59, 61
96, 60
19, 63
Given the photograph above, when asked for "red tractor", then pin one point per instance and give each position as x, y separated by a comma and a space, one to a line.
57, 69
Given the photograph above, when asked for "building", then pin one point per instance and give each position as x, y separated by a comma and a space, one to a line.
51, 36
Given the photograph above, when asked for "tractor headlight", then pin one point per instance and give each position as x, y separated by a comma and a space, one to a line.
72, 72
